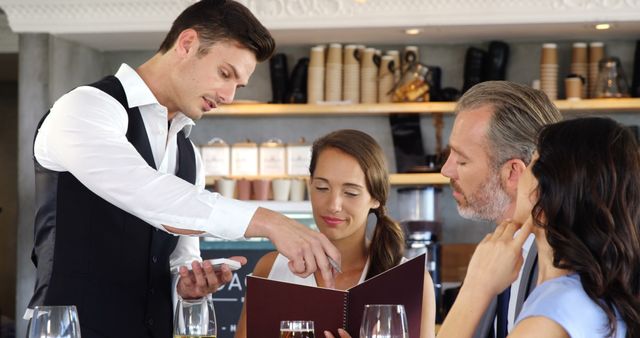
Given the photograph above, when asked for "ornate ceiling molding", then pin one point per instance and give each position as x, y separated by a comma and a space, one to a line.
82, 16
348, 13
141, 24
107, 16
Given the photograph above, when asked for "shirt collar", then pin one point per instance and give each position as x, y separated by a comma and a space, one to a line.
183, 122
139, 94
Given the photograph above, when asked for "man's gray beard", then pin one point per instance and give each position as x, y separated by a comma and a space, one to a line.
487, 204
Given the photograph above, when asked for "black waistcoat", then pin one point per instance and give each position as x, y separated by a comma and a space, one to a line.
112, 265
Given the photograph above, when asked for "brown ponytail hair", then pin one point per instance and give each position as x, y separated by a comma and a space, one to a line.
387, 243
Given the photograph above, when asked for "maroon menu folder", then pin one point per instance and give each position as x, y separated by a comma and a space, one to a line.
269, 301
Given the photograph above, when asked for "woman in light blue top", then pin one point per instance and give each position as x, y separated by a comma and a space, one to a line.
580, 196
583, 195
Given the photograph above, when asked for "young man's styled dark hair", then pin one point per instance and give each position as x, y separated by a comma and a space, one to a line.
222, 20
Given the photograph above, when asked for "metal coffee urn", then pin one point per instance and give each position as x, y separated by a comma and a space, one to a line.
417, 209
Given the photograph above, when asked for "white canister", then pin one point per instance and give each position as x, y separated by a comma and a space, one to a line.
298, 158
281, 187
216, 157
273, 158
244, 159
298, 189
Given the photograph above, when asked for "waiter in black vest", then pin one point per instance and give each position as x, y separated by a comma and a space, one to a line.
492, 141
117, 179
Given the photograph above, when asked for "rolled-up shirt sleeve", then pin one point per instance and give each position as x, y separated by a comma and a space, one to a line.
85, 134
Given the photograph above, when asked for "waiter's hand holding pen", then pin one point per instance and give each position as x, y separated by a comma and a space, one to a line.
334, 265
306, 249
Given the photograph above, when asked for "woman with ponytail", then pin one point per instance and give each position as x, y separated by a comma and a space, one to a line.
348, 182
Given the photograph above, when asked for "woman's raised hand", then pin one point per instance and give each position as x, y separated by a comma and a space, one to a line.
498, 258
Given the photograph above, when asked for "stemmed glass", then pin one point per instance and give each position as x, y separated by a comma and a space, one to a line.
54, 322
384, 321
195, 318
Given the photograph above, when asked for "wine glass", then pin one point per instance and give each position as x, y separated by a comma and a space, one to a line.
384, 321
54, 322
296, 329
195, 318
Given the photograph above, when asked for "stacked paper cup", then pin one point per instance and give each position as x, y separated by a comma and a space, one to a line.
333, 75
351, 75
368, 77
396, 64
315, 78
579, 64
385, 79
596, 53
409, 57
360, 52
549, 70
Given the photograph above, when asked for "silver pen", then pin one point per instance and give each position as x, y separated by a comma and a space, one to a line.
334, 264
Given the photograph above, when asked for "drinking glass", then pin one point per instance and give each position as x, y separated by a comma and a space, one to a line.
296, 329
54, 322
414, 84
611, 79
195, 318
384, 321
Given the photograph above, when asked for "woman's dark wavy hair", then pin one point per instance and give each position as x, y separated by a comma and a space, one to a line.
222, 20
588, 177
387, 243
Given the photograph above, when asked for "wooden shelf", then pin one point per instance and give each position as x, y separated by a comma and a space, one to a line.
418, 179
285, 207
599, 105
263, 109
395, 179
210, 180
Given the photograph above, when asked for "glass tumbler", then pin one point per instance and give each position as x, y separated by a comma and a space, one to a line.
413, 86
611, 81
195, 318
54, 322
384, 321
296, 329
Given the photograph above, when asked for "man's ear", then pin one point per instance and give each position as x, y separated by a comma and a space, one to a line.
510, 173
187, 42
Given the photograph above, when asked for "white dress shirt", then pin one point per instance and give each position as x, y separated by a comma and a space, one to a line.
85, 134
515, 286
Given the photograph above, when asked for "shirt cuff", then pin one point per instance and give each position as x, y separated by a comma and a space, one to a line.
230, 219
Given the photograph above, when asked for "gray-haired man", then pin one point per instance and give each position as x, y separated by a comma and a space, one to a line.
492, 142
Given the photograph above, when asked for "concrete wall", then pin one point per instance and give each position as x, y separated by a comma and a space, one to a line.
48, 67
71, 65
33, 99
